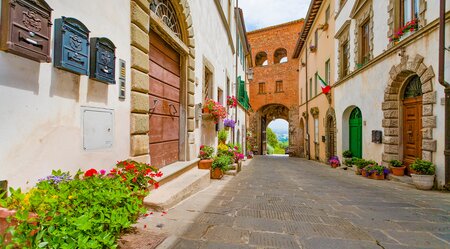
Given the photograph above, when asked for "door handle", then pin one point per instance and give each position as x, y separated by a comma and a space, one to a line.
155, 104
174, 108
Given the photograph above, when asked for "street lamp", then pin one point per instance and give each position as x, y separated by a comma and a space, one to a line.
250, 74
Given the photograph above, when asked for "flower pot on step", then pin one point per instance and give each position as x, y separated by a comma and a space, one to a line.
377, 177
358, 171
423, 182
216, 173
364, 173
205, 164
398, 171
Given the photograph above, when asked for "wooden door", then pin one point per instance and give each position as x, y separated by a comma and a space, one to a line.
331, 137
412, 130
355, 125
164, 88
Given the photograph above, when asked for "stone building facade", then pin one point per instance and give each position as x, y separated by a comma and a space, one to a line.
165, 66
389, 86
274, 90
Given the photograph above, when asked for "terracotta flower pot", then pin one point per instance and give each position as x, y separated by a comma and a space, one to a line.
358, 171
398, 171
216, 173
423, 182
205, 163
377, 177
364, 173
334, 165
4, 224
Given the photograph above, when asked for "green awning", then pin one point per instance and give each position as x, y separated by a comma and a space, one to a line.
243, 98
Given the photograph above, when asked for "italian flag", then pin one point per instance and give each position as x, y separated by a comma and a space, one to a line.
325, 87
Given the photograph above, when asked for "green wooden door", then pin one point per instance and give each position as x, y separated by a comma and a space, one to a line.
355, 125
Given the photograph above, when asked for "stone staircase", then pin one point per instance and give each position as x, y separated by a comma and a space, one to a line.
179, 181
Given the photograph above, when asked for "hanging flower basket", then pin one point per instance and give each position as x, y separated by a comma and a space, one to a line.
231, 101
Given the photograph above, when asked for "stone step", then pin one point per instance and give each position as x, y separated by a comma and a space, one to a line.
404, 179
177, 189
176, 169
231, 172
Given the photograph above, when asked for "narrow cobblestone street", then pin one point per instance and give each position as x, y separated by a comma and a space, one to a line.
281, 202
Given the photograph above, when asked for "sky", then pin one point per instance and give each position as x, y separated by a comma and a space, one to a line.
263, 13
279, 126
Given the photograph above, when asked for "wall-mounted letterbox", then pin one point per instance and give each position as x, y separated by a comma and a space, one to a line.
71, 45
103, 60
26, 28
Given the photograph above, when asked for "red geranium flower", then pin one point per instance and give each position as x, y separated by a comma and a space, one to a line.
90, 173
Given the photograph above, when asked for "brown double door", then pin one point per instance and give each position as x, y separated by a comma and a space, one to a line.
412, 130
164, 88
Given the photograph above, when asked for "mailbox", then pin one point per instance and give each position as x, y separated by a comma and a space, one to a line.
103, 60
26, 28
71, 45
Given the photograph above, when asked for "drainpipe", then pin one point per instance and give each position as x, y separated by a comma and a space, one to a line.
308, 146
441, 78
237, 78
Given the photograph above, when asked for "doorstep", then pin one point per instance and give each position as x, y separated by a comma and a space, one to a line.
403, 179
182, 179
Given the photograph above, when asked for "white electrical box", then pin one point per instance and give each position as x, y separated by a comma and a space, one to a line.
98, 128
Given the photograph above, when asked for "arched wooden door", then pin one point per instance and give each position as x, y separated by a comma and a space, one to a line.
412, 121
331, 137
355, 126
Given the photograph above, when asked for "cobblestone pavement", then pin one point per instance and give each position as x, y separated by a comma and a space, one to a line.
280, 202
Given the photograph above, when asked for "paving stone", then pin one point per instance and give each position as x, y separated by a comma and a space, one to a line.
214, 219
184, 243
443, 236
256, 224
249, 213
227, 235
315, 243
420, 239
218, 245
273, 240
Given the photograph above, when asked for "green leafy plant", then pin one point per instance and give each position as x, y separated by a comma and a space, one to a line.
362, 163
423, 167
206, 152
222, 162
222, 135
395, 163
348, 162
347, 154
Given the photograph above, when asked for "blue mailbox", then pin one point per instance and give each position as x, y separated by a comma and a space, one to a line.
103, 60
71, 45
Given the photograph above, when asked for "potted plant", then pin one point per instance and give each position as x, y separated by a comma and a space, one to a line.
231, 101
360, 165
205, 155
209, 105
334, 161
348, 162
219, 166
377, 172
424, 179
347, 154
397, 168
229, 123
222, 135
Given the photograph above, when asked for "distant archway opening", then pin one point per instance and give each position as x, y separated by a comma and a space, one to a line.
277, 137
280, 56
261, 59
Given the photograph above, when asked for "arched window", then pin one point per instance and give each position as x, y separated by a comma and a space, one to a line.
261, 59
165, 10
413, 88
280, 56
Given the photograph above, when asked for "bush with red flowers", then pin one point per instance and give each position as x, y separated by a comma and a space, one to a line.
139, 176
231, 101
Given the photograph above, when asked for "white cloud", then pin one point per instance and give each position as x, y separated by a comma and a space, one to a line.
262, 13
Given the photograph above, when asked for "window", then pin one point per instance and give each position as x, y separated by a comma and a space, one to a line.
327, 14
220, 96
365, 40
280, 56
344, 58
279, 86
409, 10
316, 130
262, 88
327, 72
315, 84
310, 88
316, 39
261, 59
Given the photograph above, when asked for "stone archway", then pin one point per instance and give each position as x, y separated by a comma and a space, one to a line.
392, 122
142, 20
261, 119
330, 131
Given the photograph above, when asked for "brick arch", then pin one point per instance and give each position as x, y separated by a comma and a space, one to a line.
330, 119
142, 21
399, 74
